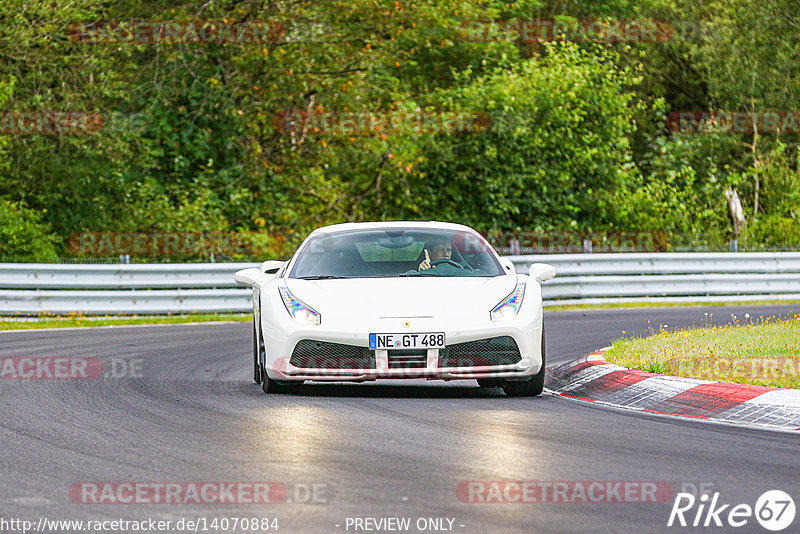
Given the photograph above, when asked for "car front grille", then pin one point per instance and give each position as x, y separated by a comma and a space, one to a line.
408, 359
322, 355
502, 350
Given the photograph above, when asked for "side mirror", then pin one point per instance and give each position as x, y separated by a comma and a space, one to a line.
249, 277
272, 266
508, 265
542, 271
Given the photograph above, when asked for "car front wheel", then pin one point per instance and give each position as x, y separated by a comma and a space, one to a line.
256, 365
531, 387
268, 385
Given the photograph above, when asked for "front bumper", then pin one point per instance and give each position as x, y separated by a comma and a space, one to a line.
430, 364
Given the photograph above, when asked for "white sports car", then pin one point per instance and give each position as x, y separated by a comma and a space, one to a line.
422, 300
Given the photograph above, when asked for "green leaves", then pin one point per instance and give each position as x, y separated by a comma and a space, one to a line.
23, 236
193, 138
559, 130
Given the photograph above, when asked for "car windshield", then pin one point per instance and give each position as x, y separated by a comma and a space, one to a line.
396, 252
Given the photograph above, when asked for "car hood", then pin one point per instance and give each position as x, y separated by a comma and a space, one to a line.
378, 298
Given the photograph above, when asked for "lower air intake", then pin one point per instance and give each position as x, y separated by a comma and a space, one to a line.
322, 355
502, 350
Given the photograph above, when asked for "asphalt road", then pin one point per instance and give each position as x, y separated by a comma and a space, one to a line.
395, 449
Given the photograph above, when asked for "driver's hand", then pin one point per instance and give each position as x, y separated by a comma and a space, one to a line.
426, 263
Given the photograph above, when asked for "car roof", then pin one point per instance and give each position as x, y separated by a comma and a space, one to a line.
432, 225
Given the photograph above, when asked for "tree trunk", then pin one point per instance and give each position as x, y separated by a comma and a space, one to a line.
737, 213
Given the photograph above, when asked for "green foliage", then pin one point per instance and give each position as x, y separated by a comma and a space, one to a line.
23, 236
555, 153
156, 212
192, 140
774, 230
672, 205
732, 55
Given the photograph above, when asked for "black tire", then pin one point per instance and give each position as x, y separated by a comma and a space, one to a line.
531, 387
256, 364
268, 385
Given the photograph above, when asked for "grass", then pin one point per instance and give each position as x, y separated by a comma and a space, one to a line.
699, 304
76, 319
765, 352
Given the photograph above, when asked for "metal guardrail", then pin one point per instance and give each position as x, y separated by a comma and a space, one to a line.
31, 289
665, 263
34, 288
125, 301
668, 277
119, 276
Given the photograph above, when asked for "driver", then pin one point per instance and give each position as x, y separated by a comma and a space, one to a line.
441, 249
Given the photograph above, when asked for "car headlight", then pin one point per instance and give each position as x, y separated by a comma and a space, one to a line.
509, 306
301, 312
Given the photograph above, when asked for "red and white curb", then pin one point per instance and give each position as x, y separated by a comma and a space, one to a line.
593, 379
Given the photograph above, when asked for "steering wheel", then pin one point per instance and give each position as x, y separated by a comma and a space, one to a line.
454, 263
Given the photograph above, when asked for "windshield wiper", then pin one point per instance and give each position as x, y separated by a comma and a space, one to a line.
321, 277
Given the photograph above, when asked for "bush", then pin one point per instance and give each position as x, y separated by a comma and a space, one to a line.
23, 237
773, 230
556, 151
670, 205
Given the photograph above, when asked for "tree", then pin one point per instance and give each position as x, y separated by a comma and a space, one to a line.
557, 149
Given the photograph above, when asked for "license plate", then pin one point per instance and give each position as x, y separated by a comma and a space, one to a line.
430, 340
